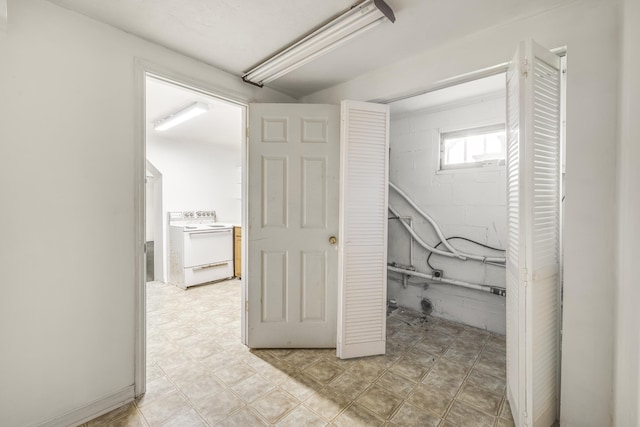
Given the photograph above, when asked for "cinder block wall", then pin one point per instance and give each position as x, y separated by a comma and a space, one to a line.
469, 203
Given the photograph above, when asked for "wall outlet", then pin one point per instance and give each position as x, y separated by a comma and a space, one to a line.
438, 274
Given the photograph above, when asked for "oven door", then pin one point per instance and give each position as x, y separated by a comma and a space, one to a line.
203, 247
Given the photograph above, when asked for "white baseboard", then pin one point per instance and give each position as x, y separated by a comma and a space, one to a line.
93, 409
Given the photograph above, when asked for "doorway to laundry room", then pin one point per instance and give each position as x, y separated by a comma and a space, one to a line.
447, 195
475, 233
447, 180
193, 224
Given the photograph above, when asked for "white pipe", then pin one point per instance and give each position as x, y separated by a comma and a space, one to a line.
422, 242
426, 216
461, 255
486, 288
454, 252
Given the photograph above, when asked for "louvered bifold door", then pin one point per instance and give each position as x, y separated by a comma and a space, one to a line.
533, 265
362, 262
515, 241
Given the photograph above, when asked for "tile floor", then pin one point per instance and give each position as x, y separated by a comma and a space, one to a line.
435, 373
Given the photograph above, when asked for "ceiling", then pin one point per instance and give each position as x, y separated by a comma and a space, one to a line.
221, 125
236, 35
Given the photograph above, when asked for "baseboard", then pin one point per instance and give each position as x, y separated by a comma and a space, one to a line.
93, 409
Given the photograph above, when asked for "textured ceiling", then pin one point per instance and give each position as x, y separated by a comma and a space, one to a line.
235, 35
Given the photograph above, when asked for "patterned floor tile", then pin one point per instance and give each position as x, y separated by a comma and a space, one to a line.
379, 401
274, 405
162, 409
199, 373
301, 416
243, 418
327, 404
411, 416
480, 398
357, 416
430, 400
323, 371
396, 384
463, 415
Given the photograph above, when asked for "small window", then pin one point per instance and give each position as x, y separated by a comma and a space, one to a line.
477, 147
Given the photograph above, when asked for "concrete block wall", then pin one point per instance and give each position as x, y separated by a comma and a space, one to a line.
466, 202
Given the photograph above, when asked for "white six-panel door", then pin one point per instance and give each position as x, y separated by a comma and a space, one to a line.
293, 213
533, 221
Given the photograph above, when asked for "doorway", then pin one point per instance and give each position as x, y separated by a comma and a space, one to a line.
532, 217
448, 161
196, 166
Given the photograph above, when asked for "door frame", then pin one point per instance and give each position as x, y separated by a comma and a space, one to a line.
142, 69
462, 78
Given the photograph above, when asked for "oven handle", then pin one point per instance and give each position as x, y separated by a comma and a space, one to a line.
226, 230
203, 267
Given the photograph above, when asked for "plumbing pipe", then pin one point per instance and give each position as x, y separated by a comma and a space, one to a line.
422, 242
410, 242
432, 221
460, 255
486, 288
456, 253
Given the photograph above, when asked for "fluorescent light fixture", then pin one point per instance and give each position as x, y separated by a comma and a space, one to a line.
3, 14
358, 19
181, 116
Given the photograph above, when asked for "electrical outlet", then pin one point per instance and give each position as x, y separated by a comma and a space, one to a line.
438, 274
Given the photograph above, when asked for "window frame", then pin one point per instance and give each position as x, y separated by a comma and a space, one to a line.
478, 130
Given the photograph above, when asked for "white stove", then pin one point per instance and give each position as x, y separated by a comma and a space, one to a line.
200, 249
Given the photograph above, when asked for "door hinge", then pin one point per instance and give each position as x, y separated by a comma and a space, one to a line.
525, 68
246, 306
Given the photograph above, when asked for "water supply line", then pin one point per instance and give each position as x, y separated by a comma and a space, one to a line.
454, 253
422, 242
496, 290
426, 216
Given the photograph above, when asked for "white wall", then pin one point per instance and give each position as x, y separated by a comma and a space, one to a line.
195, 176
67, 144
590, 30
627, 379
198, 176
465, 202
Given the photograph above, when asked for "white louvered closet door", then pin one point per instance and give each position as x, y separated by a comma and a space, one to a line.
533, 221
362, 262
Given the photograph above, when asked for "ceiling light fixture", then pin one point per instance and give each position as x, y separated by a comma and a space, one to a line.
355, 21
181, 116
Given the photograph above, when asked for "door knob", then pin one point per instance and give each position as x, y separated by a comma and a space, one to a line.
333, 240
